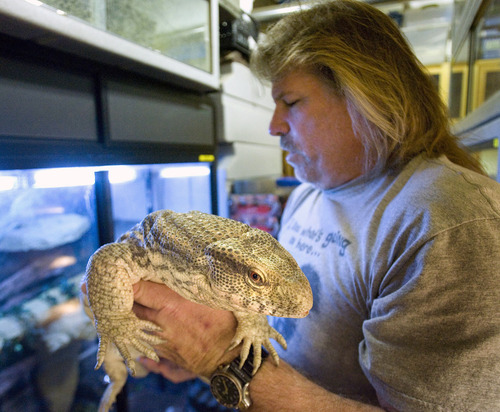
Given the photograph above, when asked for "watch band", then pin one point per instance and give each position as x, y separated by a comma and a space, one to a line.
245, 373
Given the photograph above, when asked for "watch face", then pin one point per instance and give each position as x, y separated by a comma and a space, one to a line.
225, 391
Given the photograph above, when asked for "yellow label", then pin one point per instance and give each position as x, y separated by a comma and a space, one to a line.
206, 158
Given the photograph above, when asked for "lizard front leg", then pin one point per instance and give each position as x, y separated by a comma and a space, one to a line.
111, 272
254, 330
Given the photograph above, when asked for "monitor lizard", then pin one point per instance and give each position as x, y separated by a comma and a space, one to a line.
207, 259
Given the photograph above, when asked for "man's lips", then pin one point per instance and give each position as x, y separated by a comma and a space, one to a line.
291, 157
287, 146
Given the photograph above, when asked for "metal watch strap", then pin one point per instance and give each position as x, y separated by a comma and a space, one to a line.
245, 373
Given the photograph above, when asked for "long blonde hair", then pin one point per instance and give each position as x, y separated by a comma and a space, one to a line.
359, 51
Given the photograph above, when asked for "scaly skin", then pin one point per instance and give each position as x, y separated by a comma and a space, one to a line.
207, 259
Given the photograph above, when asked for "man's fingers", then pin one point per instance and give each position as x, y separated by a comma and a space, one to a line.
153, 295
144, 313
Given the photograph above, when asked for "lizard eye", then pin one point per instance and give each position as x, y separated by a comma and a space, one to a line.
255, 278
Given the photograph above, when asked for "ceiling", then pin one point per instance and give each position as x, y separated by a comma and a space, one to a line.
426, 23
266, 3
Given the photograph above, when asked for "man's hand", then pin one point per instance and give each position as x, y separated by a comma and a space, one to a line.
196, 336
167, 369
196, 339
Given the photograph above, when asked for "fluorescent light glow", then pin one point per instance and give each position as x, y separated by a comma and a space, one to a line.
246, 5
7, 182
121, 174
64, 177
184, 171
34, 2
423, 3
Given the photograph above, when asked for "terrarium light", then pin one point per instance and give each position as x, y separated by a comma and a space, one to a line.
34, 2
7, 183
121, 174
184, 171
63, 177
427, 3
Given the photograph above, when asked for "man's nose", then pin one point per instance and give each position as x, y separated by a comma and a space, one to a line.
278, 126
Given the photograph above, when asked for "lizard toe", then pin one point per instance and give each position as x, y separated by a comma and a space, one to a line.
278, 337
148, 326
272, 352
144, 349
257, 358
245, 350
122, 347
101, 351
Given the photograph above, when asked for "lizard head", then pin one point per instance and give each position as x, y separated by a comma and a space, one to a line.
255, 273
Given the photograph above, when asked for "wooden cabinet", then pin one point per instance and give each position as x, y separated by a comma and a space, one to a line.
486, 80
452, 86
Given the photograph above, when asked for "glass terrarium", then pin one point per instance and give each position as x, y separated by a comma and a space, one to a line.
176, 28
49, 227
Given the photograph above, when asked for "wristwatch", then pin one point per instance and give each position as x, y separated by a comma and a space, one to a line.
229, 384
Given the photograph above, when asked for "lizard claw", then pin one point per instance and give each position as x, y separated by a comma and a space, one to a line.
253, 330
278, 338
127, 333
101, 352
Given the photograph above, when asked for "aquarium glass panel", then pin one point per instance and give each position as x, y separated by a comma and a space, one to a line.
49, 227
144, 189
47, 233
176, 28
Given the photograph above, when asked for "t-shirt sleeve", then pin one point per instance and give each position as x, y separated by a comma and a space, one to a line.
432, 341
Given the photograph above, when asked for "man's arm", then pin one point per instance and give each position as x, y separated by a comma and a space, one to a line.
196, 338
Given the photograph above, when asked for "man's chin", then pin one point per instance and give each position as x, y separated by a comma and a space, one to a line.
300, 175
303, 177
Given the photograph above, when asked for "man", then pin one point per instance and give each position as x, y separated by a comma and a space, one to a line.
395, 226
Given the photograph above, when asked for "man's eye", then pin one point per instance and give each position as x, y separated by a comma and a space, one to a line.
290, 103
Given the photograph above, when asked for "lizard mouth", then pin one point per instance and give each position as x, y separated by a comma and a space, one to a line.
298, 315
298, 306
299, 302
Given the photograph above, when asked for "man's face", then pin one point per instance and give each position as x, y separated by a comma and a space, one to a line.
315, 128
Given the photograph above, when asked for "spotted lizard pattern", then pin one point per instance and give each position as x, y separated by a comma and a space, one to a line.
205, 258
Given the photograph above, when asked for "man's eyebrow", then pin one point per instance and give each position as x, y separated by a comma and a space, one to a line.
278, 96
281, 94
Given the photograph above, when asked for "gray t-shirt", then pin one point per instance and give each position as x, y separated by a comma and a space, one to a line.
405, 272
